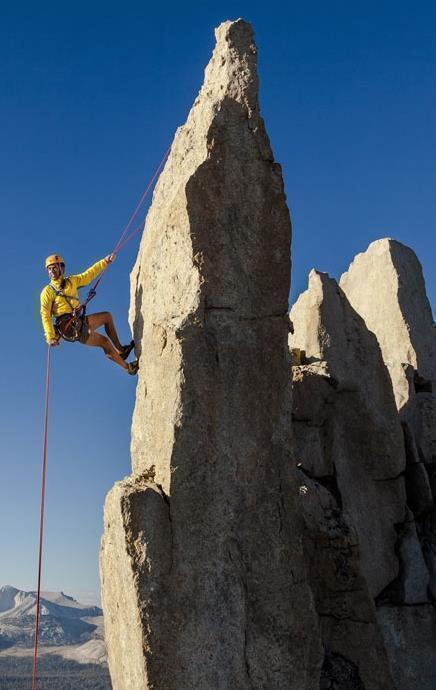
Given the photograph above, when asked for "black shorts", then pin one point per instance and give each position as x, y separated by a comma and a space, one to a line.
72, 328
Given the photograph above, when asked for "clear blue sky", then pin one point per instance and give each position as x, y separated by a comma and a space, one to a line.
90, 97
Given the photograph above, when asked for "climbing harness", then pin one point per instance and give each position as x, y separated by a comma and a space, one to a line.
63, 330
72, 326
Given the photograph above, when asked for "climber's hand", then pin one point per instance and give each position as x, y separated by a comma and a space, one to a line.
110, 258
53, 342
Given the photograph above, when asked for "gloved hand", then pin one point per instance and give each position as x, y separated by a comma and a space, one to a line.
110, 258
53, 342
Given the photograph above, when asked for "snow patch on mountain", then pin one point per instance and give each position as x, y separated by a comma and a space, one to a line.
64, 621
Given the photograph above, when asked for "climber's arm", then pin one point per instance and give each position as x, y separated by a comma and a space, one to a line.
81, 279
46, 310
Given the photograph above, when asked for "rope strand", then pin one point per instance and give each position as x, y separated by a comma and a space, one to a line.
123, 240
131, 236
41, 518
141, 201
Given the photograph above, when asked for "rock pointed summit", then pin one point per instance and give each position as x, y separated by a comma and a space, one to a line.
385, 285
203, 578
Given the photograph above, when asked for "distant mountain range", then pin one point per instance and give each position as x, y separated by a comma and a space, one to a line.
63, 620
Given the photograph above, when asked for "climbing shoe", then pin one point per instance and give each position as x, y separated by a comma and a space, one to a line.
127, 349
132, 367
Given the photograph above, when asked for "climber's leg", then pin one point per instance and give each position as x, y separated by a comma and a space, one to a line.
104, 318
98, 340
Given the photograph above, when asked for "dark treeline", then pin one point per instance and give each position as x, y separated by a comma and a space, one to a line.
54, 673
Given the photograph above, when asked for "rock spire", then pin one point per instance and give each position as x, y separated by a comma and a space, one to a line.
385, 284
203, 577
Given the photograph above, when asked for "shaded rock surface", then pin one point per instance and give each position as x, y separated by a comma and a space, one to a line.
203, 577
410, 633
355, 656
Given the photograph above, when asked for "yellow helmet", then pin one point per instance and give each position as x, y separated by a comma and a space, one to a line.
54, 259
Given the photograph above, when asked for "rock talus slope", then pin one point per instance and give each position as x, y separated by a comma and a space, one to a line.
203, 579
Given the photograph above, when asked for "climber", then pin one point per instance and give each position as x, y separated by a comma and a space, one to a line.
59, 299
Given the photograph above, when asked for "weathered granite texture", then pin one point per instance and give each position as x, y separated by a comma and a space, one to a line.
385, 285
346, 424
203, 577
410, 634
364, 557
355, 656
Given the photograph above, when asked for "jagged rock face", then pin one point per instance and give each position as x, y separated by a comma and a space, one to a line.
371, 581
386, 286
203, 542
346, 427
346, 610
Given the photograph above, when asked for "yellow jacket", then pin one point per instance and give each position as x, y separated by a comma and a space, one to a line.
53, 305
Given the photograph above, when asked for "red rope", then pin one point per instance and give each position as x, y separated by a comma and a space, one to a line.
123, 240
140, 202
41, 518
130, 236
